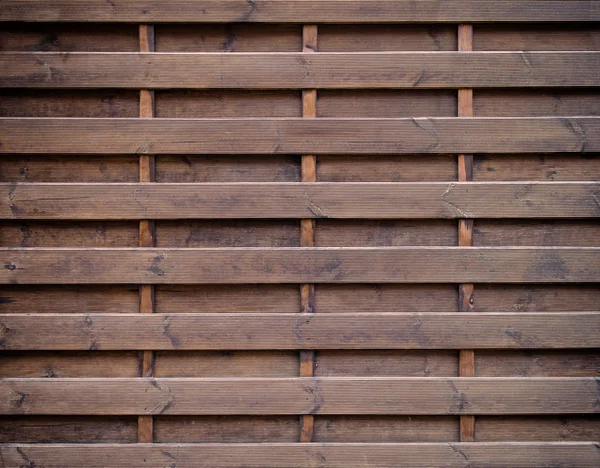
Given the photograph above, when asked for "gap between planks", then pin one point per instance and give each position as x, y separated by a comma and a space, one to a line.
307, 230
146, 234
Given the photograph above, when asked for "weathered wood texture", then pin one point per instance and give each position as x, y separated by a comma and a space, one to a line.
295, 70
298, 200
300, 136
512, 455
301, 265
246, 117
302, 395
300, 11
299, 331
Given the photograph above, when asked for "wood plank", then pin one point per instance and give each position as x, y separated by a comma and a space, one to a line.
385, 363
357, 429
294, 70
549, 167
258, 298
543, 363
300, 136
288, 455
230, 331
538, 428
67, 429
300, 395
64, 37
225, 103
147, 232
392, 168
71, 168
299, 200
388, 37
69, 364
226, 429
379, 233
68, 299
245, 168
307, 228
466, 299
574, 233
302, 11
226, 363
537, 298
301, 265
230, 37
565, 36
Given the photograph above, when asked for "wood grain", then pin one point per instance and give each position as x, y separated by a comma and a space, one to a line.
299, 200
300, 395
299, 331
294, 70
147, 233
307, 227
466, 299
299, 11
288, 455
300, 136
301, 265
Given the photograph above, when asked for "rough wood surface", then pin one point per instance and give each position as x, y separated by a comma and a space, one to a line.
301, 265
300, 136
307, 228
466, 299
314, 11
299, 331
299, 200
283, 455
147, 233
295, 70
300, 395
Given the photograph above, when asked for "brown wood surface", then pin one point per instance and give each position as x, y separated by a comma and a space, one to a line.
300, 136
301, 265
147, 232
297, 200
307, 227
510, 455
301, 395
314, 11
299, 331
295, 70
466, 299
68, 429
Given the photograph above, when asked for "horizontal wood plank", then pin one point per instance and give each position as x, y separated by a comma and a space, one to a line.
300, 265
298, 331
299, 136
297, 71
304, 395
297, 200
293, 455
301, 11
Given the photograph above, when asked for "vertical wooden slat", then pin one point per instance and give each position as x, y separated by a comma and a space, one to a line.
145, 423
307, 229
466, 301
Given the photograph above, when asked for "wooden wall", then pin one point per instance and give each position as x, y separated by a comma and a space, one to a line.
273, 243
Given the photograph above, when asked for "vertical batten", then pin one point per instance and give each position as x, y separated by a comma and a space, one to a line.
466, 301
147, 234
307, 229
